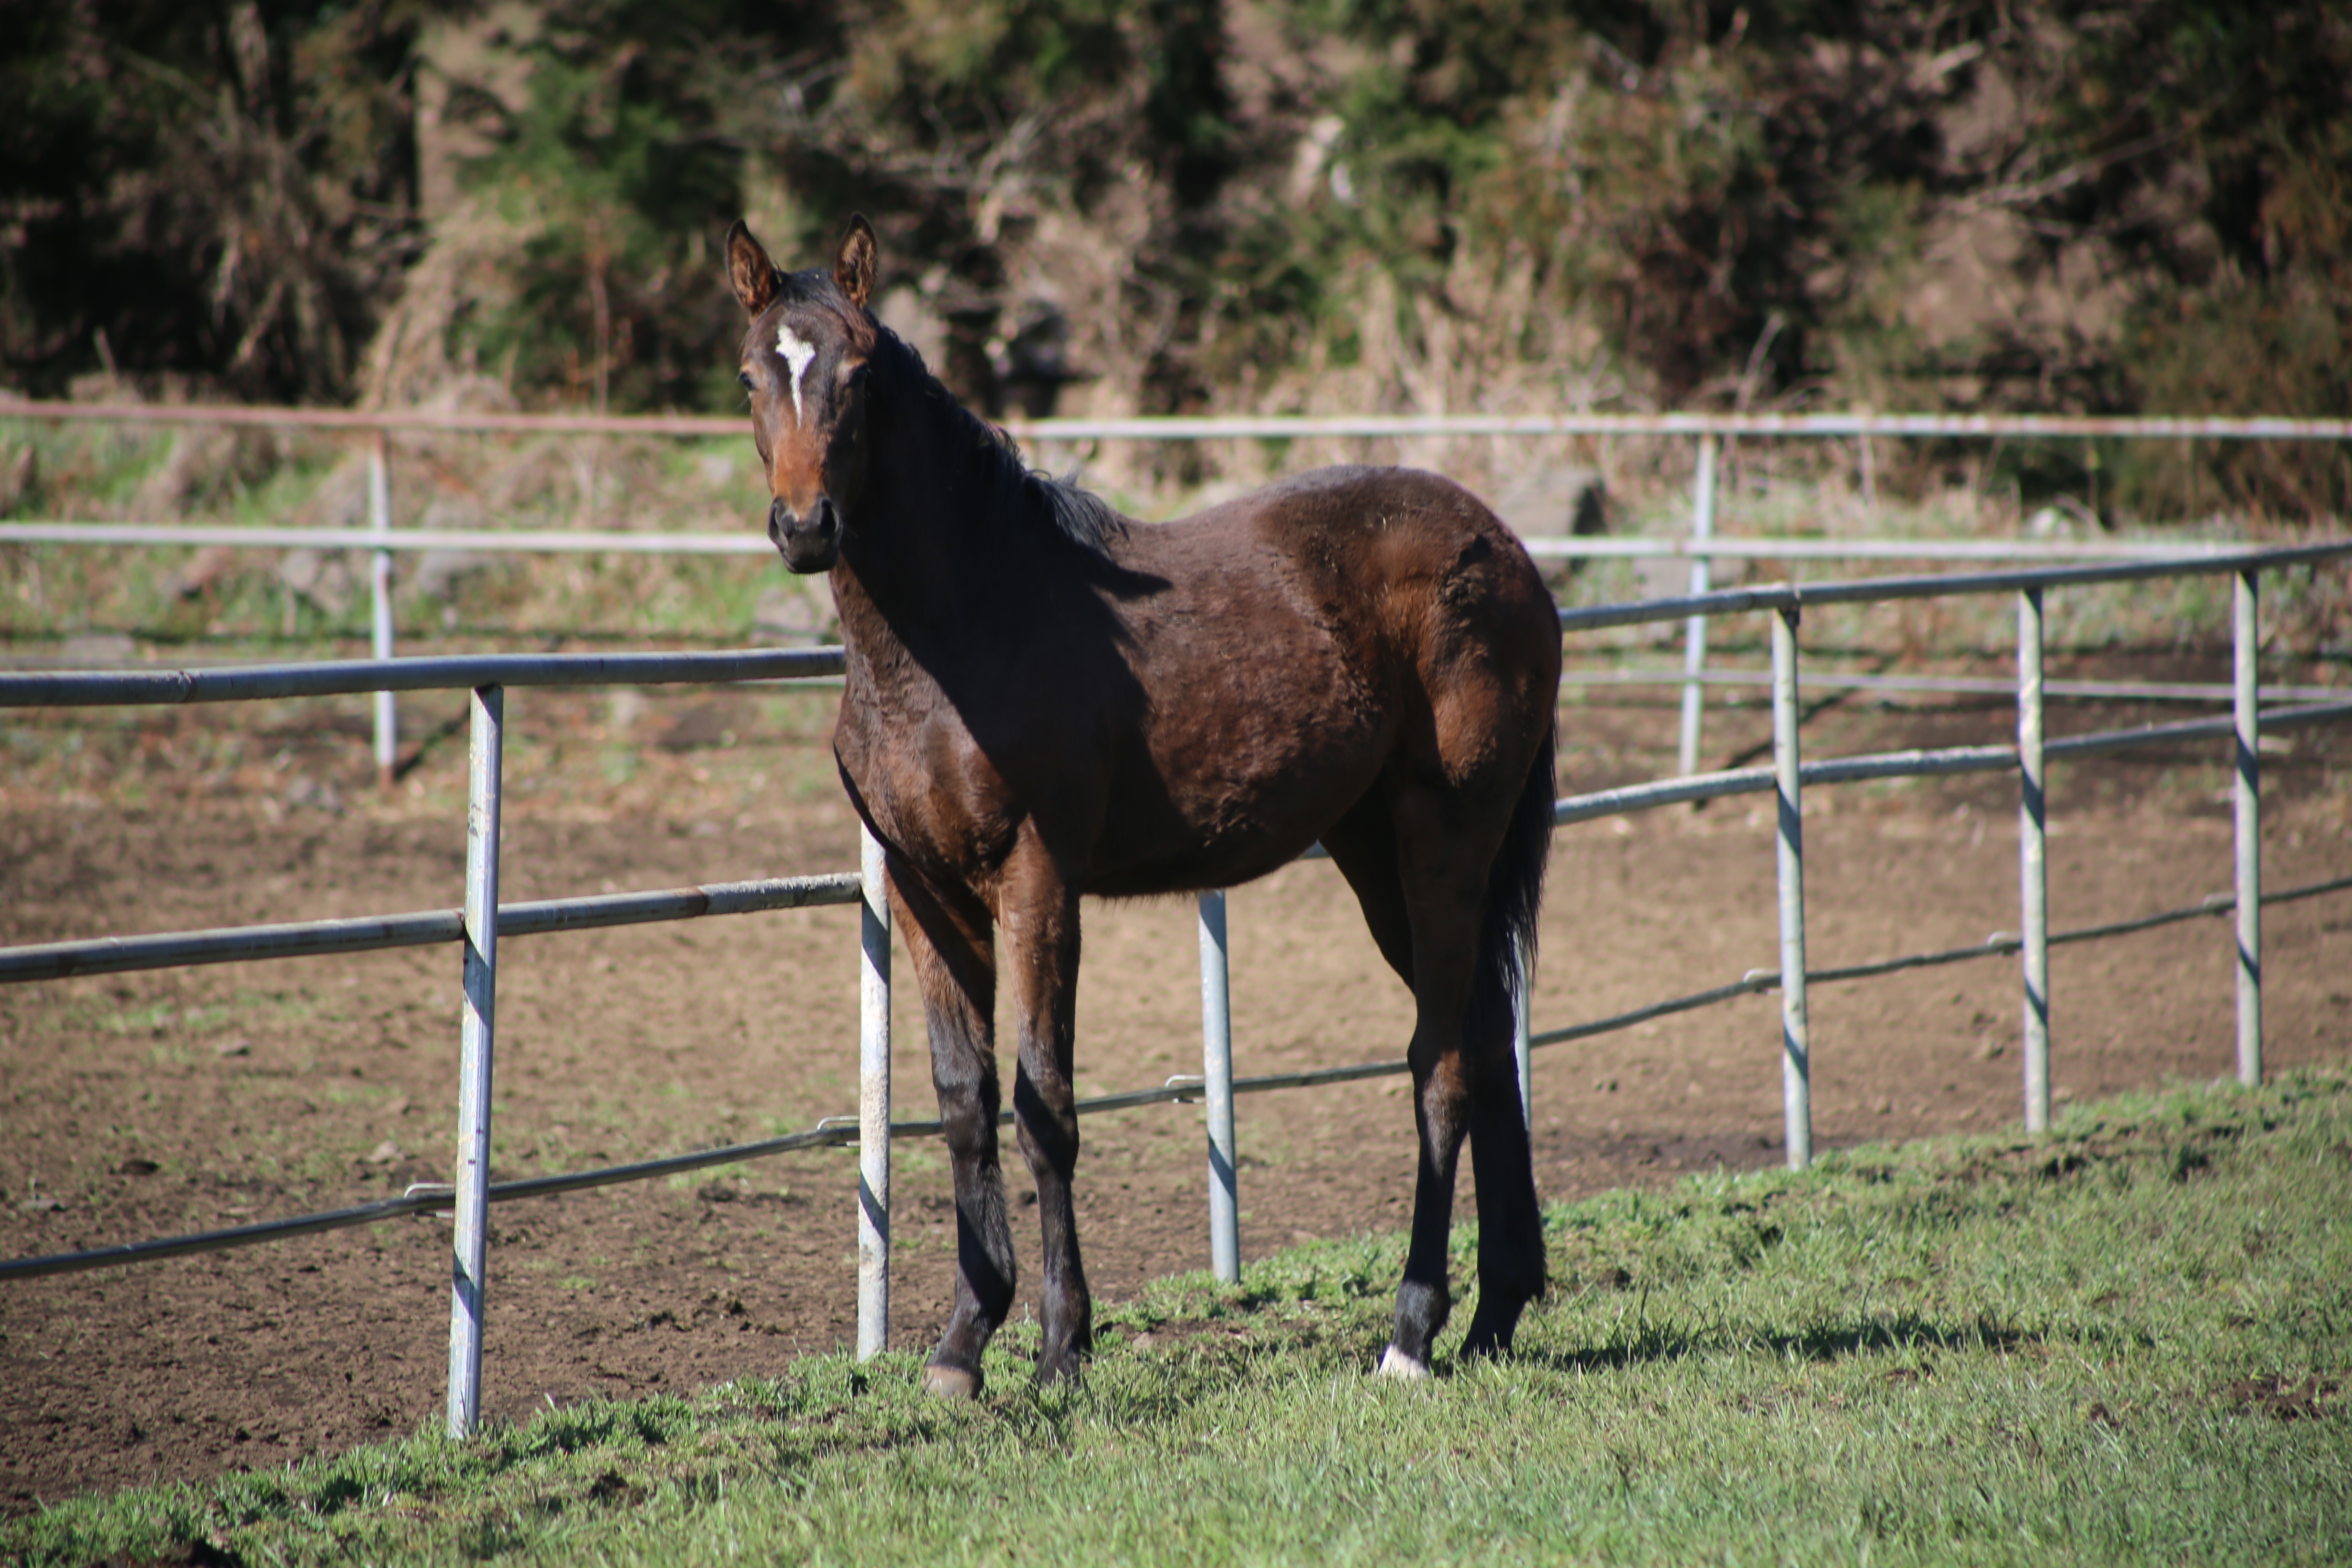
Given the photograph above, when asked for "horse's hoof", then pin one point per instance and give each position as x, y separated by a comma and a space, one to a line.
1395, 1363
950, 1381
1485, 1343
1496, 1324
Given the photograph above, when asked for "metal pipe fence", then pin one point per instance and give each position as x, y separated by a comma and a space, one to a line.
836, 1131
2032, 854
482, 920
586, 542
1702, 546
1224, 426
872, 1096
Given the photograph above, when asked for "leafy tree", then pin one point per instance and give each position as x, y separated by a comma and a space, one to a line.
223, 190
617, 168
1393, 203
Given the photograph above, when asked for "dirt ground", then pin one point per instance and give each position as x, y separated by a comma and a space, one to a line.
150, 1104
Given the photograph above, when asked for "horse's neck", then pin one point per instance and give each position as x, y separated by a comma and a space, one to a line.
918, 558
928, 553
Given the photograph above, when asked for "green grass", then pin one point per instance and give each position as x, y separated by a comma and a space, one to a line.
2126, 1340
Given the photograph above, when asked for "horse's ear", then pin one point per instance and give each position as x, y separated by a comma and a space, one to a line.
853, 265
749, 270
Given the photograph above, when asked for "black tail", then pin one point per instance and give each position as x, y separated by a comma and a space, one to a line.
1510, 1225
1507, 940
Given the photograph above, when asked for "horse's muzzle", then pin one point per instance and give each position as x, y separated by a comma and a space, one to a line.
808, 544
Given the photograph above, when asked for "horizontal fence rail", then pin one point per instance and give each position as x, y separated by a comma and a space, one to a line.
372, 933
406, 541
366, 933
1222, 428
1958, 684
2000, 944
382, 541
1794, 598
749, 542
354, 676
839, 1131
1922, 764
1738, 548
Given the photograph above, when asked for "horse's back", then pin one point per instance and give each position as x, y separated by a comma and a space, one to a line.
1383, 527
1399, 563
1308, 638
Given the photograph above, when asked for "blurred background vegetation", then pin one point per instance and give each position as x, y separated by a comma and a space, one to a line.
1176, 205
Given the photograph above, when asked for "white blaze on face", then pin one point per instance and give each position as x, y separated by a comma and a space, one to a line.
797, 352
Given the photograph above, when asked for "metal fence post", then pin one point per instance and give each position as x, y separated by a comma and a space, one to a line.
387, 716
2032, 859
476, 1034
1702, 575
2249, 801
1217, 1075
1796, 1049
873, 1100
1523, 1036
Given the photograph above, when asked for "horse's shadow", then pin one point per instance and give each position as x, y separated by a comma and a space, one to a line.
1649, 1345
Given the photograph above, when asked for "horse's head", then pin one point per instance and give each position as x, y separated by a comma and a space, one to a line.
803, 363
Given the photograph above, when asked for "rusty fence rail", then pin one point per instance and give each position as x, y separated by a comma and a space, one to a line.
483, 919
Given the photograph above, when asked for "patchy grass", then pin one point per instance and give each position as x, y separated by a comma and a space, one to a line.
2128, 1340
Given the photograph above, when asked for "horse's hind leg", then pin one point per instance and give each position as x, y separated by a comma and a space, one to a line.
1423, 884
1510, 1223
1423, 1299
1465, 1082
950, 939
1421, 893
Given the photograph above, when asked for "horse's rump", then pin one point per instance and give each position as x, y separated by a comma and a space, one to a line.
1304, 639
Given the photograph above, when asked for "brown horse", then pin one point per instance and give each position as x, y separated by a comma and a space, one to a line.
1046, 699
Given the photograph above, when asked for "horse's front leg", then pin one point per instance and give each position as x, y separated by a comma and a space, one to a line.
949, 936
1037, 912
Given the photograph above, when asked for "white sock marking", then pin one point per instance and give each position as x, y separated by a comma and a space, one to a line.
797, 352
1395, 1363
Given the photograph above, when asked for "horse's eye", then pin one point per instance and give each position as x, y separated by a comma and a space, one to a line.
745, 378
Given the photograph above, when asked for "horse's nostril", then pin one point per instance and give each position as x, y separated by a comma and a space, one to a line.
780, 521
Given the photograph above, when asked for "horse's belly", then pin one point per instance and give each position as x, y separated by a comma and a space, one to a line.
1236, 779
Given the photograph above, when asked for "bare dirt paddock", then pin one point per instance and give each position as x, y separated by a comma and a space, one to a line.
151, 1104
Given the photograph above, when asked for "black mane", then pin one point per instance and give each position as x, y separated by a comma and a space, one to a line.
1017, 493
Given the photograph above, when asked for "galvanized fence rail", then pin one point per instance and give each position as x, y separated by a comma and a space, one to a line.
1233, 427
1701, 547
483, 919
